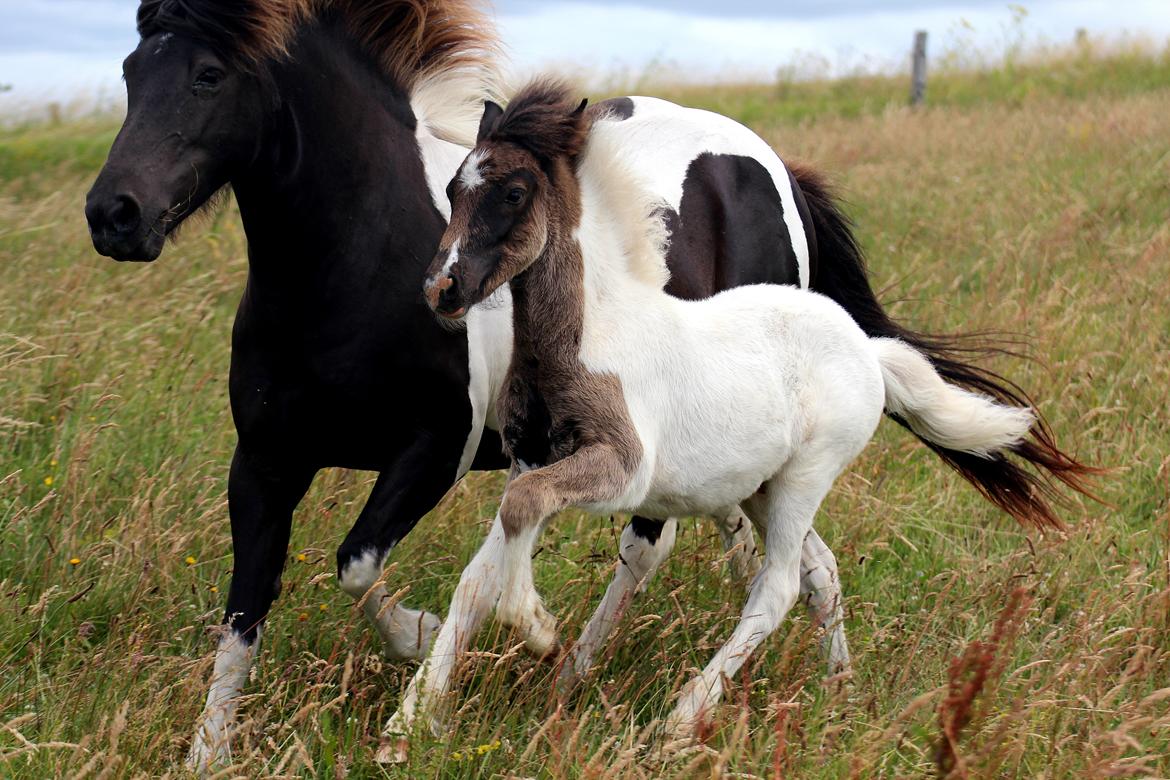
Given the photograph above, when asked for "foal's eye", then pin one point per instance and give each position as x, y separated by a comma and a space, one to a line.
514, 196
208, 78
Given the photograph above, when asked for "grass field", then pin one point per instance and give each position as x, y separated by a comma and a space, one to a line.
1042, 213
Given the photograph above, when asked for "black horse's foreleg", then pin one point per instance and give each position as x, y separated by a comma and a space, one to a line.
262, 493
404, 492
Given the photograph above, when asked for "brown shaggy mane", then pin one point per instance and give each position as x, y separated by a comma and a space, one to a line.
411, 39
545, 118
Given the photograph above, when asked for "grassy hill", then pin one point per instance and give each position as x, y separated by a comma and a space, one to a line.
1034, 202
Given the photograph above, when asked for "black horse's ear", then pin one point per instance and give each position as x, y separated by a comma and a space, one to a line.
581, 108
491, 115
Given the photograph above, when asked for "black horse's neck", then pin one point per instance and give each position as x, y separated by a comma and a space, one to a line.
333, 341
337, 204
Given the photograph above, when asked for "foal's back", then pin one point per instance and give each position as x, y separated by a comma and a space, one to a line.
723, 391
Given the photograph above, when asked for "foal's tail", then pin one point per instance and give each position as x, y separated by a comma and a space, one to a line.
970, 431
1023, 492
945, 415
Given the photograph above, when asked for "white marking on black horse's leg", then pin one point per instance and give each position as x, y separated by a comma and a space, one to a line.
404, 491
738, 539
639, 556
233, 661
262, 492
820, 589
406, 633
476, 594
786, 509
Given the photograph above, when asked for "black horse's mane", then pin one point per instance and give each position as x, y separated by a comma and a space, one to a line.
411, 39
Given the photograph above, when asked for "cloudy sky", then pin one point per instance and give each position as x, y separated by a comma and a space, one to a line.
60, 49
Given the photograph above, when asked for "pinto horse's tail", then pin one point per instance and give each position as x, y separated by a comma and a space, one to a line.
1025, 493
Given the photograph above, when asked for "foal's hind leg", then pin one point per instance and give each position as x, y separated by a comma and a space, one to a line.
820, 590
786, 510
739, 542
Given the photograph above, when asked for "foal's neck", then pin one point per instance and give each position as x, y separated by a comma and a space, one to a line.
548, 299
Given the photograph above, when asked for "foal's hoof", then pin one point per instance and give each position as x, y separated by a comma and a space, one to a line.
392, 750
411, 641
541, 640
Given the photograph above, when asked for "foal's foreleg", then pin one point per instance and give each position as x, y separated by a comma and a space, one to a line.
478, 589
739, 543
593, 473
644, 545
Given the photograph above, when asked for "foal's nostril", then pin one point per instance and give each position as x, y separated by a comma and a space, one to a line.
126, 214
448, 291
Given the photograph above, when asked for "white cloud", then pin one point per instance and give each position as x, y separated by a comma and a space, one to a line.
64, 49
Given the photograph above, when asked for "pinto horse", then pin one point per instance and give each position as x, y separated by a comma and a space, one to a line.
635, 399
337, 124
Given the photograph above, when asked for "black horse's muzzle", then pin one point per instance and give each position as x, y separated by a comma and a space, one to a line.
119, 229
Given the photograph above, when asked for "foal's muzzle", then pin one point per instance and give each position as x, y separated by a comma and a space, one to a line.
445, 296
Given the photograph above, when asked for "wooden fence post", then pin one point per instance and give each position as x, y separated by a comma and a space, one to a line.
918, 82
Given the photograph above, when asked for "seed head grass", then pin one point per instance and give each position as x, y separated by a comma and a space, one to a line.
979, 650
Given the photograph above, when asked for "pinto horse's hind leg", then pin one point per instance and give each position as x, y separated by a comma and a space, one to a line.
402, 494
262, 493
644, 545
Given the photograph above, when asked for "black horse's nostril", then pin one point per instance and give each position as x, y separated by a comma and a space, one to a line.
120, 215
126, 215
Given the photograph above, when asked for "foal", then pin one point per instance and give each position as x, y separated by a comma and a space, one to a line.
618, 394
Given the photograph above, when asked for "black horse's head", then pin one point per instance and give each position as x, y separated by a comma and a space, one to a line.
194, 115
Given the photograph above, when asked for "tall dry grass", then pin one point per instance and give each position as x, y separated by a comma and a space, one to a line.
980, 651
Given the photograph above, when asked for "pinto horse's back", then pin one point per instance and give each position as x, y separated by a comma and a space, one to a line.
734, 214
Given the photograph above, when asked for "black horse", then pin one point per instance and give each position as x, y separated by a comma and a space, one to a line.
334, 124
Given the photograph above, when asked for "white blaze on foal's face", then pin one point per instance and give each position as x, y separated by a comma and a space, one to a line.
471, 174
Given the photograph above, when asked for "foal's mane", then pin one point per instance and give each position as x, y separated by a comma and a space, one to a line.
443, 53
549, 122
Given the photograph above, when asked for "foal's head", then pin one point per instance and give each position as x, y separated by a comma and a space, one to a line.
515, 187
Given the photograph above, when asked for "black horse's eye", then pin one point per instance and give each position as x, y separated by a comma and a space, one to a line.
208, 78
514, 196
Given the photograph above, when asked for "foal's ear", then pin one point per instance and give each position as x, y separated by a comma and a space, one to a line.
487, 123
581, 108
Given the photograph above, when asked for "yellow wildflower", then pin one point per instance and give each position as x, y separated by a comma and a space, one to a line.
302, 557
489, 747
53, 462
457, 756
303, 616
214, 589
48, 481
75, 560
191, 560
324, 607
